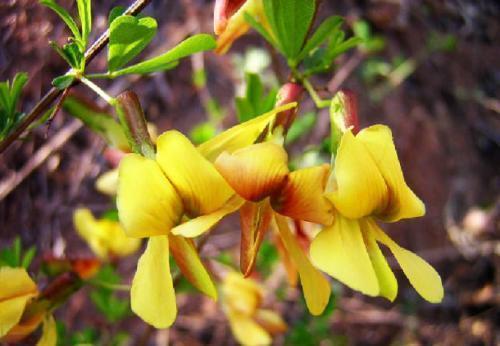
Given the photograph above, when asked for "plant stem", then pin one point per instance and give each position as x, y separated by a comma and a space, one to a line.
113, 287
97, 89
54, 93
99, 75
318, 101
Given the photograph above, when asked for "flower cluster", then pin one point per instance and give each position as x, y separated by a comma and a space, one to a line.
184, 191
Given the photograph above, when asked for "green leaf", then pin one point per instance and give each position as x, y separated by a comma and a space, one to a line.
255, 102
168, 60
20, 80
327, 28
115, 13
65, 16
63, 82
202, 133
72, 54
301, 126
85, 14
128, 36
16, 248
100, 122
28, 257
290, 22
261, 30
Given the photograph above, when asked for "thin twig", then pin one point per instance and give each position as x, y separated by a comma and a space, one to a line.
54, 93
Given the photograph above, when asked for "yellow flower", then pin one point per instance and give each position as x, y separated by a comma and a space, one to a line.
250, 324
105, 237
366, 184
177, 194
257, 172
230, 23
16, 291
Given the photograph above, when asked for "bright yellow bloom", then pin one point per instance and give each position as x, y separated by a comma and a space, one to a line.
16, 291
250, 324
105, 237
177, 194
365, 185
231, 28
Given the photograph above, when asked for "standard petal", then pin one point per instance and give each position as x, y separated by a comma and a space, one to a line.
256, 171
301, 198
315, 286
200, 186
246, 331
199, 225
359, 188
148, 204
421, 275
190, 264
152, 294
386, 279
403, 203
49, 332
241, 135
255, 219
340, 251
16, 290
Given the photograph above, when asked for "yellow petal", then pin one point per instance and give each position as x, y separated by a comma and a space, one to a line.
255, 219
246, 331
302, 196
403, 203
190, 264
241, 135
24, 328
201, 224
256, 171
315, 286
200, 186
152, 295
16, 290
386, 279
270, 321
359, 188
340, 251
286, 260
107, 183
148, 205
243, 295
49, 332
421, 275
116, 240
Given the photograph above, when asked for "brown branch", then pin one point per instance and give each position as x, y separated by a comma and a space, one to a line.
54, 93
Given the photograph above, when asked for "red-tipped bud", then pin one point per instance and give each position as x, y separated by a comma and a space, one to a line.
344, 111
290, 92
223, 10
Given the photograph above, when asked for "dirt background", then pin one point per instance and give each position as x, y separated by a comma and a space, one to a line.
445, 119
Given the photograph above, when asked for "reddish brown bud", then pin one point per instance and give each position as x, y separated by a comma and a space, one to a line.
345, 110
290, 92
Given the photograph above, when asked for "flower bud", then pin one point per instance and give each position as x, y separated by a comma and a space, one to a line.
223, 11
290, 92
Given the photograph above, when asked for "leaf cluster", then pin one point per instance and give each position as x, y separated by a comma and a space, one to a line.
10, 94
15, 256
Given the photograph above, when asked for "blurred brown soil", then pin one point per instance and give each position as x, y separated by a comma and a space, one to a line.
446, 124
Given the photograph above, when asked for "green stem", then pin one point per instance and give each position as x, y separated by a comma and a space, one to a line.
114, 287
318, 101
95, 88
99, 75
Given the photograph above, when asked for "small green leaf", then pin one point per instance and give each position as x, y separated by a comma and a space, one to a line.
28, 257
65, 16
290, 22
115, 13
16, 248
168, 60
20, 80
63, 82
255, 101
326, 29
261, 30
71, 53
128, 36
85, 14
98, 121
202, 133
